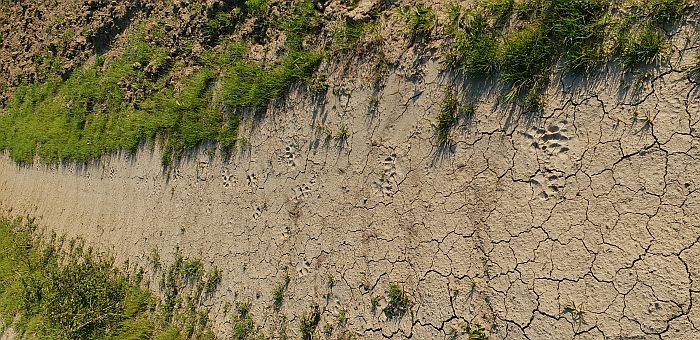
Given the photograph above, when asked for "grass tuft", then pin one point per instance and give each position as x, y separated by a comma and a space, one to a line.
128, 101
641, 48
447, 118
419, 19
577, 34
475, 49
527, 56
309, 322
48, 293
398, 302
664, 11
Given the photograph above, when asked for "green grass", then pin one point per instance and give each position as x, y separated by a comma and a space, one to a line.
252, 85
93, 112
419, 19
256, 7
347, 36
243, 325
213, 280
398, 302
526, 48
475, 49
278, 295
499, 8
641, 48
527, 56
447, 118
304, 21
53, 294
309, 322
664, 11
220, 23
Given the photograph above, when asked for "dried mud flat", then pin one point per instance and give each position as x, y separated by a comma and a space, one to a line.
583, 224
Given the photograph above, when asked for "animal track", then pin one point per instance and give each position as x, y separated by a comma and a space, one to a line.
552, 144
547, 184
289, 155
259, 210
227, 178
176, 174
303, 191
202, 171
252, 180
303, 268
553, 140
387, 182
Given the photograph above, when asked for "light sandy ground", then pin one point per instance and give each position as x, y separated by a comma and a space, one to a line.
594, 206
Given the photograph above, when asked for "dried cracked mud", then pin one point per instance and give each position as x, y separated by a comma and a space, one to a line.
582, 224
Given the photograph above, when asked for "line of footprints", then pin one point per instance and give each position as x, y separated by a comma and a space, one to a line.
552, 143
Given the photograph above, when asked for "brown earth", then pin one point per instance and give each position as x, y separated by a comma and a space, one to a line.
582, 224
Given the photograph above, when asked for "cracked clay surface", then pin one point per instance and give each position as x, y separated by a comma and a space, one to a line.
582, 224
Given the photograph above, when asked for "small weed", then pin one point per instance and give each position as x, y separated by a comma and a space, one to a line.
398, 302
278, 295
467, 112
309, 322
155, 259
343, 134
328, 329
330, 280
243, 326
286, 279
447, 118
192, 270
577, 314
374, 302
318, 85
419, 19
327, 131
373, 102
473, 332
533, 102
213, 280
68, 34
342, 317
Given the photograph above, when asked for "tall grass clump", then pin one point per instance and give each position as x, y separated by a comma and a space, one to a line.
50, 289
524, 42
419, 19
121, 103
475, 48
303, 21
